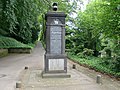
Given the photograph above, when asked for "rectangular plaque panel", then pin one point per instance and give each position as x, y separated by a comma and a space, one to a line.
56, 64
55, 39
55, 47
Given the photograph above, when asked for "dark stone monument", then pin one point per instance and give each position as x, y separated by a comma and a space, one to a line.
55, 58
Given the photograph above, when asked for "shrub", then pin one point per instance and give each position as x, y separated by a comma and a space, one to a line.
108, 51
116, 64
80, 55
7, 42
95, 63
87, 52
35, 33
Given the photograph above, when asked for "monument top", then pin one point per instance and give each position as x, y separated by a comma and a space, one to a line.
55, 14
55, 6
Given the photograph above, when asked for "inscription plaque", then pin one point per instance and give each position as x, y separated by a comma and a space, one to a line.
56, 64
55, 39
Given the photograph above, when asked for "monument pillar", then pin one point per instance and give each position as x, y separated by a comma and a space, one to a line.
55, 59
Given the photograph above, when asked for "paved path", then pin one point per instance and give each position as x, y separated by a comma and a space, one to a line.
81, 79
13, 64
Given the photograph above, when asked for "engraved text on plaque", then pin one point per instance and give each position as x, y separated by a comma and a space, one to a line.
55, 39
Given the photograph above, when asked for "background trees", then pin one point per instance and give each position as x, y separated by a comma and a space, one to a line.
97, 29
19, 19
97, 24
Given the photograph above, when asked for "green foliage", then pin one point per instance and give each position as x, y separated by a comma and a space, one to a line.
94, 63
116, 64
108, 51
97, 28
99, 21
34, 35
114, 61
6, 42
18, 18
87, 52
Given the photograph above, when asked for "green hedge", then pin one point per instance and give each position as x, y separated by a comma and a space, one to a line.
7, 42
93, 63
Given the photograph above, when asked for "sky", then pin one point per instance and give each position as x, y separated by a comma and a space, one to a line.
85, 2
83, 7
79, 5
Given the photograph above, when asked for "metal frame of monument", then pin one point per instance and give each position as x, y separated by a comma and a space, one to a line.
55, 58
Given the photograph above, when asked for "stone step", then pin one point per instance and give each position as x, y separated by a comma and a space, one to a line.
3, 52
55, 75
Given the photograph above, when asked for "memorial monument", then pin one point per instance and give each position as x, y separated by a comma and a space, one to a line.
55, 58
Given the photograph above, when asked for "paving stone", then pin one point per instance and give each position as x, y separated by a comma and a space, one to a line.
78, 81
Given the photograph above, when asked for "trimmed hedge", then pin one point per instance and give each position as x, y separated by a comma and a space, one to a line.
7, 42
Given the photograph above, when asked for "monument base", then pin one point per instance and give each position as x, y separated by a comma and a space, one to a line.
55, 63
55, 75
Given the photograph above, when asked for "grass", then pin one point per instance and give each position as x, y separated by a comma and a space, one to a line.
93, 63
7, 42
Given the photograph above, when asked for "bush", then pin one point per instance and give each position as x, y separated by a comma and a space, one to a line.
7, 42
34, 35
87, 52
95, 63
80, 55
108, 51
116, 64
68, 44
